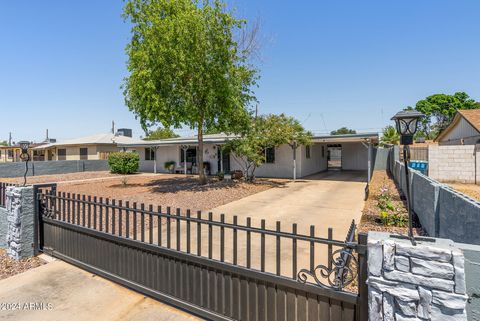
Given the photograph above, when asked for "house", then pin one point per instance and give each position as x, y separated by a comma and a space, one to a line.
12, 153
345, 152
463, 130
96, 147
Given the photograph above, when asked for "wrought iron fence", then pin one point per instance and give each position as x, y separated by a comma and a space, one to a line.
325, 262
3, 193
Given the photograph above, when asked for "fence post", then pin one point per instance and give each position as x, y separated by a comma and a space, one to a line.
362, 311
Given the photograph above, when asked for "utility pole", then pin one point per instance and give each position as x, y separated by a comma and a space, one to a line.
113, 127
10, 139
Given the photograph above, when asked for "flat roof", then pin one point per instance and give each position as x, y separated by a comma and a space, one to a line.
349, 138
223, 138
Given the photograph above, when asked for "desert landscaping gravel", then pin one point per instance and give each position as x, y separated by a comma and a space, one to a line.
60, 177
10, 267
168, 190
371, 213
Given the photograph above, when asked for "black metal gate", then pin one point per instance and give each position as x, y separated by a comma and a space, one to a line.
207, 266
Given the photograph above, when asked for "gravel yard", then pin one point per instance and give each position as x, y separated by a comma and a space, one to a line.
10, 267
471, 190
371, 219
176, 191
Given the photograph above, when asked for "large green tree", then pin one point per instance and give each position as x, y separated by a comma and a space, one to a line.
161, 133
262, 133
343, 131
439, 110
186, 67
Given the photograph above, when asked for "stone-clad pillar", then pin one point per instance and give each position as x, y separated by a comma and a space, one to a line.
20, 222
423, 282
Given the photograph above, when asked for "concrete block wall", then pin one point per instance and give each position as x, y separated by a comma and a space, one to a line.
52, 167
453, 163
442, 211
422, 282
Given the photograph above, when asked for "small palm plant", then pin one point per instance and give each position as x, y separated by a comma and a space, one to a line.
390, 136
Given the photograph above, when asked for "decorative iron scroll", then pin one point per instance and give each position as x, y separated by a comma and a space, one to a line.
343, 272
44, 209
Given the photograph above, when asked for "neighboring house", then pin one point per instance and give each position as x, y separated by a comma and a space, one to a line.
352, 152
12, 153
456, 158
86, 148
463, 130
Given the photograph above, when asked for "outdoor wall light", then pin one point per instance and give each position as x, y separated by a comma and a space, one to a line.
24, 156
407, 125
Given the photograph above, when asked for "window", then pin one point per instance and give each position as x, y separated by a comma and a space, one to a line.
307, 151
84, 153
191, 155
323, 151
62, 154
270, 155
10, 153
149, 154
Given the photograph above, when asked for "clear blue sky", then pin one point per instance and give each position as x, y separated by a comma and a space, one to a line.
328, 63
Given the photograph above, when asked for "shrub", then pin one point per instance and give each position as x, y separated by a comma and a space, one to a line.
389, 214
169, 165
123, 163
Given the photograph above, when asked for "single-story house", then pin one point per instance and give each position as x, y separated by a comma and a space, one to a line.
346, 152
12, 153
463, 130
94, 147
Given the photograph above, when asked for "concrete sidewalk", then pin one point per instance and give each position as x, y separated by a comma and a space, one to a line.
60, 291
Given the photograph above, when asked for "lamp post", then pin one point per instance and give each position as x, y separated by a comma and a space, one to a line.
407, 125
24, 156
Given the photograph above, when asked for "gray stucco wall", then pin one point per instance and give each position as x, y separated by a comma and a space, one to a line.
52, 167
442, 211
380, 158
472, 271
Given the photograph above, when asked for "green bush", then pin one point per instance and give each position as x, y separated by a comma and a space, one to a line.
123, 162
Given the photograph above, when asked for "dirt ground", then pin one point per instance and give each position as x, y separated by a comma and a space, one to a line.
471, 190
175, 191
371, 213
10, 267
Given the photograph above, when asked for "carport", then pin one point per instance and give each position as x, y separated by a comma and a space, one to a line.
353, 152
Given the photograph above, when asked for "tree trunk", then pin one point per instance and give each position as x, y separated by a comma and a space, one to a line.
201, 173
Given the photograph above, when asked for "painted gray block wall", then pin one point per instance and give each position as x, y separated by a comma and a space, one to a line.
380, 156
472, 271
52, 167
3, 227
442, 211
459, 216
425, 200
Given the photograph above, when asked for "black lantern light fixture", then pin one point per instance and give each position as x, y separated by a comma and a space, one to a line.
407, 125
24, 156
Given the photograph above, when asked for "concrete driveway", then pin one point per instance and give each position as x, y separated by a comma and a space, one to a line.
329, 199
60, 291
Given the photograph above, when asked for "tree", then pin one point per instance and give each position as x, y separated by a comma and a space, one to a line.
185, 67
161, 133
3, 143
343, 131
262, 133
439, 110
390, 136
